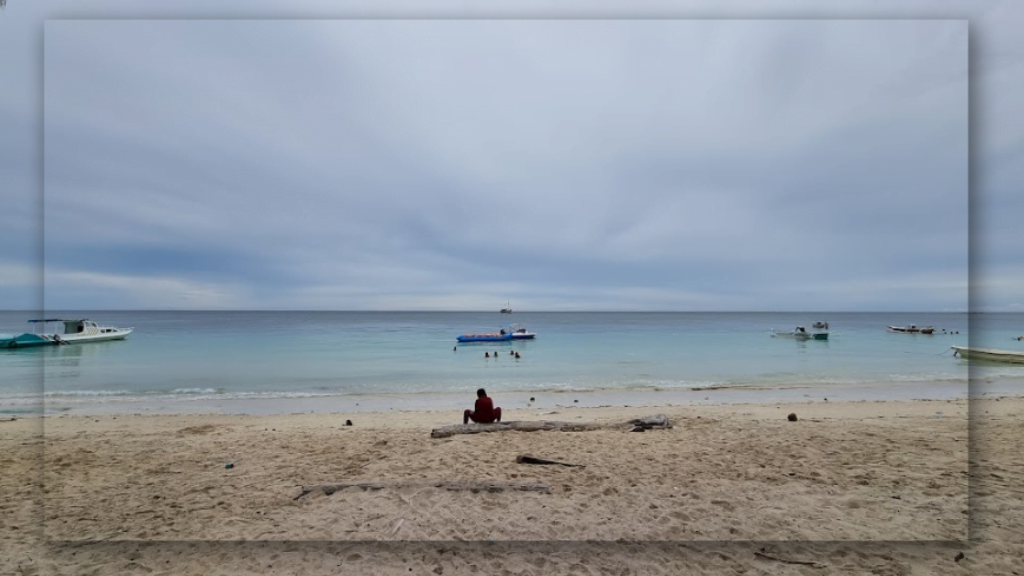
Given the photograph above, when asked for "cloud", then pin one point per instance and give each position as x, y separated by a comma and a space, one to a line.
230, 153
359, 163
140, 292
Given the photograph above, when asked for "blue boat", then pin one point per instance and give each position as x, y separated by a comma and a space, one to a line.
485, 338
26, 340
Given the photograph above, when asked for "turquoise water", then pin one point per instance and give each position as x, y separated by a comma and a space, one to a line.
197, 361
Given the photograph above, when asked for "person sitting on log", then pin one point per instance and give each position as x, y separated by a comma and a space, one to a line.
484, 411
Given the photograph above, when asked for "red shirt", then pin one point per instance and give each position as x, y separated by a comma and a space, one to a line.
483, 411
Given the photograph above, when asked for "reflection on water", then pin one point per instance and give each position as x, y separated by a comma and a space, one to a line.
72, 361
67, 355
24, 370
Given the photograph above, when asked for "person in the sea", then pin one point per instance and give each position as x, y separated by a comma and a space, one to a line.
484, 411
487, 354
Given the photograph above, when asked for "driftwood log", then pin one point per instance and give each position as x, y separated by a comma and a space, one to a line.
659, 421
527, 459
469, 485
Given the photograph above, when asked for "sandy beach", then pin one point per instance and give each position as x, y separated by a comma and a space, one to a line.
849, 487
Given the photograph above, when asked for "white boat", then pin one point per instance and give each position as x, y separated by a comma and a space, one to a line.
912, 329
80, 330
1011, 356
801, 333
518, 331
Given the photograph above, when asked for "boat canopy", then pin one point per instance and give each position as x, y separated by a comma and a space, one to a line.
77, 326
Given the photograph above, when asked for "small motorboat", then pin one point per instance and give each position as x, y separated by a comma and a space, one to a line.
85, 330
800, 333
518, 331
1010, 356
485, 337
70, 332
912, 329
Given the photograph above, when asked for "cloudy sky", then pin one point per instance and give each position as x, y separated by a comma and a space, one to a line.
617, 164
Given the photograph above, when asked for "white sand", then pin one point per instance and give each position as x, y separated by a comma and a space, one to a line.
686, 500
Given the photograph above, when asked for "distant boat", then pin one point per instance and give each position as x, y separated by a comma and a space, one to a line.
84, 330
821, 324
912, 329
484, 337
507, 309
800, 333
74, 332
1011, 356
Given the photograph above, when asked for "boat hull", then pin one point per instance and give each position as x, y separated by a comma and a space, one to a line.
119, 334
793, 335
801, 335
989, 354
902, 330
484, 338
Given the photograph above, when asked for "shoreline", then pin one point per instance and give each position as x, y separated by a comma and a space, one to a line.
635, 397
424, 420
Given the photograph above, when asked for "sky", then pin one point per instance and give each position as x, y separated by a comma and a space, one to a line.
187, 158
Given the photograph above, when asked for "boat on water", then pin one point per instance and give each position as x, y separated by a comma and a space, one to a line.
1011, 356
821, 324
518, 331
800, 333
26, 340
74, 331
912, 329
490, 337
507, 309
513, 331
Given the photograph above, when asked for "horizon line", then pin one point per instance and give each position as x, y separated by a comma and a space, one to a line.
36, 310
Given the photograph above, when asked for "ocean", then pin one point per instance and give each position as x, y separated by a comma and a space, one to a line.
283, 362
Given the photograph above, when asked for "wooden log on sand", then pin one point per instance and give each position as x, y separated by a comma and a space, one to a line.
469, 485
659, 421
527, 459
521, 426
